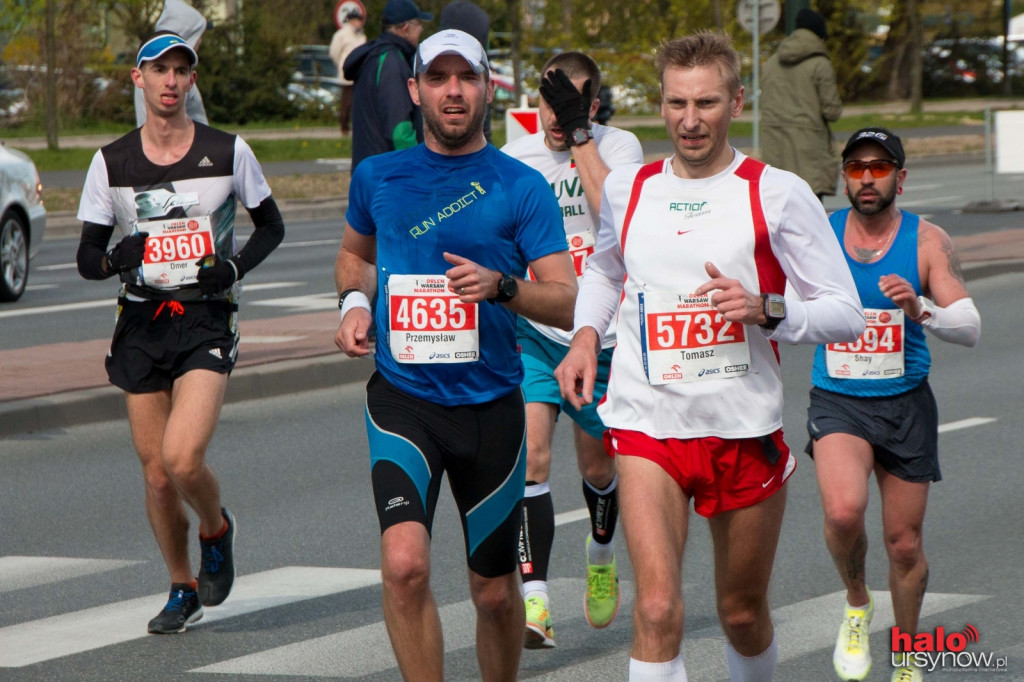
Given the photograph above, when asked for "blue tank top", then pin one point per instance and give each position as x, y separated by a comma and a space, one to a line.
485, 206
901, 259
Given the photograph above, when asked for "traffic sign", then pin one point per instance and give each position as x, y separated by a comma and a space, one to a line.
342, 9
521, 122
767, 13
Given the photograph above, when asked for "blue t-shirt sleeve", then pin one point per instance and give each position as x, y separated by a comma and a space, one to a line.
539, 229
360, 198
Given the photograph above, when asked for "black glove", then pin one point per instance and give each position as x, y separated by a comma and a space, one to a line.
215, 275
571, 107
127, 254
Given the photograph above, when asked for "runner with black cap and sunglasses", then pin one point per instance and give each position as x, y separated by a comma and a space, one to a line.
871, 406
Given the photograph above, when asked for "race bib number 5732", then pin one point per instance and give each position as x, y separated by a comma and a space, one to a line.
429, 324
686, 339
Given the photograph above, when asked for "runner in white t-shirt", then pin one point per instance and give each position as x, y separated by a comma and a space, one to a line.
574, 155
693, 256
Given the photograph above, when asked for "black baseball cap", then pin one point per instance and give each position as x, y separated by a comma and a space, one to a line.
400, 11
883, 137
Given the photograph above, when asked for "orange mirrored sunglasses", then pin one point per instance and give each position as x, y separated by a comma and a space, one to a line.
879, 168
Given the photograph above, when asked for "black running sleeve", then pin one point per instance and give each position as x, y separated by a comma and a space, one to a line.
269, 232
92, 249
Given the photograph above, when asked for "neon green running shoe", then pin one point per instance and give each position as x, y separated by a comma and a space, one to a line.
539, 633
908, 673
601, 602
852, 655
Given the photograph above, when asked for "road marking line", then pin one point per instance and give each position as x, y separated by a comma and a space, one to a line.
804, 627
311, 302
71, 633
365, 650
965, 424
60, 266
572, 516
20, 572
319, 242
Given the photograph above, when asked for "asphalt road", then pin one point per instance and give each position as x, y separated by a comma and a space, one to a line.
59, 306
80, 574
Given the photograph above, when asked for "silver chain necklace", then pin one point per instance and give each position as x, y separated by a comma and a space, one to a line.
867, 255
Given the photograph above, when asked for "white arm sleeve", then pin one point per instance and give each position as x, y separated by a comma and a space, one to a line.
958, 323
601, 286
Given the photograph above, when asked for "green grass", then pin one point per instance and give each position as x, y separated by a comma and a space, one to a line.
311, 148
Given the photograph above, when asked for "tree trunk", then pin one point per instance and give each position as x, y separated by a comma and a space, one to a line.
51, 75
915, 41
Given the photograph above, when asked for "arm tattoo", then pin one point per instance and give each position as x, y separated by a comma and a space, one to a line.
953, 261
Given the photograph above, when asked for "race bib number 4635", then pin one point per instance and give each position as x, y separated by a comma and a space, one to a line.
172, 249
429, 324
686, 339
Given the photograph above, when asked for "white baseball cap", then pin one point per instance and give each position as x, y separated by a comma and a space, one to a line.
451, 41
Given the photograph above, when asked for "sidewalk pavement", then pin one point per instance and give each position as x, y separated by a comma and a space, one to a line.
60, 385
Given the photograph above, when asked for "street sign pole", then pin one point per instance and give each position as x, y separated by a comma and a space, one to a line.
756, 84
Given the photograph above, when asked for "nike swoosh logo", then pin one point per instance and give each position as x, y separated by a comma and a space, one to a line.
765, 484
683, 231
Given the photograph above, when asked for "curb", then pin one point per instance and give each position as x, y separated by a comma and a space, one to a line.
106, 403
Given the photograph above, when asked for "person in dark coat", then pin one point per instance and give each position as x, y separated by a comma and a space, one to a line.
384, 117
799, 99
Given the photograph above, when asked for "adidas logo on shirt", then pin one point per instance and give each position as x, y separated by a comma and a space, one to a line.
215, 352
205, 163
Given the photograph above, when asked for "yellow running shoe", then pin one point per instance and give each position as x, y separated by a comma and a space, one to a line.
539, 633
908, 673
852, 656
601, 602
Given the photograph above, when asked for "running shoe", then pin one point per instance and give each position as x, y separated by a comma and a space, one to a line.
182, 609
217, 573
908, 673
852, 656
539, 633
601, 602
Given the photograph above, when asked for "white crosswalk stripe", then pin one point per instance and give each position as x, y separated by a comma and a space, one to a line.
48, 638
20, 572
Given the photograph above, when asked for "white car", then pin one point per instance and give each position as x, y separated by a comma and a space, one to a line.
22, 220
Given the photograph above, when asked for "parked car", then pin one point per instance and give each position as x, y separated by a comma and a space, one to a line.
314, 85
22, 220
970, 66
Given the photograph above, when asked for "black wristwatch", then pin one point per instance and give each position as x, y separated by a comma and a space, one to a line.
581, 136
508, 287
343, 295
774, 310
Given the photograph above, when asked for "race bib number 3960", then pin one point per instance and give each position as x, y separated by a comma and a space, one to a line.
429, 324
172, 249
686, 339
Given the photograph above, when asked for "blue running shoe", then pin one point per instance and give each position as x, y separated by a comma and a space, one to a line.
182, 609
217, 573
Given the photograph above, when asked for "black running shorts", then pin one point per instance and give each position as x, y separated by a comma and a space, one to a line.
155, 342
902, 429
481, 447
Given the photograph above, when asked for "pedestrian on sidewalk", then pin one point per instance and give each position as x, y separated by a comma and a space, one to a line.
384, 117
694, 400
345, 39
871, 407
450, 260
799, 99
176, 336
574, 155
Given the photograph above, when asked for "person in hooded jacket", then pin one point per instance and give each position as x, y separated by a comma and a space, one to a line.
799, 99
384, 118
187, 22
